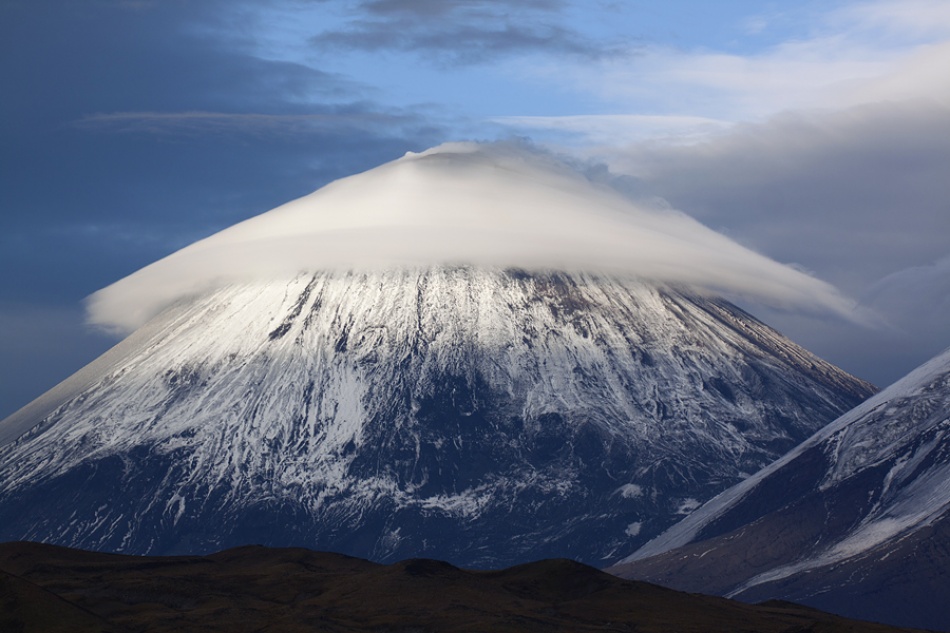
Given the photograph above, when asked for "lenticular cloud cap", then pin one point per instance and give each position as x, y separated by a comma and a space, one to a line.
463, 204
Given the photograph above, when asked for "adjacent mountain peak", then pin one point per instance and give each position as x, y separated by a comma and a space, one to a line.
501, 205
856, 519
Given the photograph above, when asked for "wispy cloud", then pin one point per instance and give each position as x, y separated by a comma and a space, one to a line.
853, 193
463, 32
618, 129
904, 19
429, 9
828, 149
914, 298
244, 123
822, 73
859, 53
817, 149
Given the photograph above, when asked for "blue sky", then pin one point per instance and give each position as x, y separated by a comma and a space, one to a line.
817, 134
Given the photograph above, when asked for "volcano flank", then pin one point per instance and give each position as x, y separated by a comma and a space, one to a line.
569, 392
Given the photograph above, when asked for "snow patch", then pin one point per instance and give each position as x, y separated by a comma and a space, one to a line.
630, 491
687, 506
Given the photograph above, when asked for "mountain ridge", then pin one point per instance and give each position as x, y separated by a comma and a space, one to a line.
855, 520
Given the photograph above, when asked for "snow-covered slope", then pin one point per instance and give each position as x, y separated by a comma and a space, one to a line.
856, 519
480, 415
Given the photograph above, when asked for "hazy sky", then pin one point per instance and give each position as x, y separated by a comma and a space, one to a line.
815, 133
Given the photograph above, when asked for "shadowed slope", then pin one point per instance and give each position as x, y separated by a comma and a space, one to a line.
28, 608
855, 520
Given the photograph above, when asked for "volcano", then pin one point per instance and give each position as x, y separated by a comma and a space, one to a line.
284, 385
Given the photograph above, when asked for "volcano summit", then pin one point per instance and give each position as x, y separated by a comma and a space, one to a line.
472, 354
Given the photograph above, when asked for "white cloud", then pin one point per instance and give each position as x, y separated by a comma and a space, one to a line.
912, 304
905, 19
860, 53
830, 149
494, 205
617, 129
854, 194
267, 125
915, 298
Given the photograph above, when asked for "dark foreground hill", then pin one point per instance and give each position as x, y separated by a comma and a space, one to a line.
45, 588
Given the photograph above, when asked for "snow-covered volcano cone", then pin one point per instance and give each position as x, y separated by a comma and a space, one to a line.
482, 408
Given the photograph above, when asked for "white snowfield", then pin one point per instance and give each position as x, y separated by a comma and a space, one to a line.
248, 409
906, 425
463, 203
